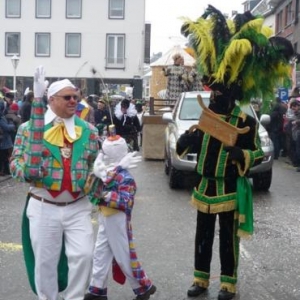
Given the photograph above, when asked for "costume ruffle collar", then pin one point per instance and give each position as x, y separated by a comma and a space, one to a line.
50, 116
131, 111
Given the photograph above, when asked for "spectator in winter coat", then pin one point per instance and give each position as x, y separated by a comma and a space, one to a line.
5, 141
8, 97
25, 110
127, 123
291, 116
276, 127
295, 127
13, 117
102, 116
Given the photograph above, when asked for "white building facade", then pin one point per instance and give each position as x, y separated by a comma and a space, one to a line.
72, 37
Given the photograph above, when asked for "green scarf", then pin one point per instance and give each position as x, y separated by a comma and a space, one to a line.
244, 207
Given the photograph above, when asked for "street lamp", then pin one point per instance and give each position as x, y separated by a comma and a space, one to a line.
15, 61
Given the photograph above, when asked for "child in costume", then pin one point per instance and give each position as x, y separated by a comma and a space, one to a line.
114, 245
239, 60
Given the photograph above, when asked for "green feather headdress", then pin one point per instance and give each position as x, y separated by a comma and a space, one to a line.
239, 53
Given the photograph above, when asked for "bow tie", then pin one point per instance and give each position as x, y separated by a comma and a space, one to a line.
58, 133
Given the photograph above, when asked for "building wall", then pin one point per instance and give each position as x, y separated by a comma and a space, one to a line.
288, 28
250, 4
93, 26
283, 17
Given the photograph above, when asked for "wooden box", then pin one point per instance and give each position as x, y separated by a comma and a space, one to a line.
212, 124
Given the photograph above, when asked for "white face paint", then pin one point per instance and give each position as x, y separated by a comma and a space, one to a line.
115, 150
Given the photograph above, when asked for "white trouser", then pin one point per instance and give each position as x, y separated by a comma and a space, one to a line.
112, 242
48, 224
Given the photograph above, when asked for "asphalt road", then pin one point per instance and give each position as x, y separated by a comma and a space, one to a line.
164, 228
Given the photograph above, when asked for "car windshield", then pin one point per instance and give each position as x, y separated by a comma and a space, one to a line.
191, 110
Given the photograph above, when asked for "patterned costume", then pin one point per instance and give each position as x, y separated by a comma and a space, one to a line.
84, 152
216, 193
177, 78
114, 195
239, 60
55, 155
194, 81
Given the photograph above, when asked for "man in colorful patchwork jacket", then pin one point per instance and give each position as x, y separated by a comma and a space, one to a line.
54, 151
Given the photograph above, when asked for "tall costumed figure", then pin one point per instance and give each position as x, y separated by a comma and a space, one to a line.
239, 59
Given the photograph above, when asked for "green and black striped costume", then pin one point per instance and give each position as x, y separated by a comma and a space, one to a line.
216, 194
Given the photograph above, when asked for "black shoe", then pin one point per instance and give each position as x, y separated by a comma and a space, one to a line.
195, 290
90, 296
298, 169
146, 295
225, 295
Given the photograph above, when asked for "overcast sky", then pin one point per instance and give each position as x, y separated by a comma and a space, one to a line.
165, 25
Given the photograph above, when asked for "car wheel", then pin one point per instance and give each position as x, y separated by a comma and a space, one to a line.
175, 178
167, 164
262, 181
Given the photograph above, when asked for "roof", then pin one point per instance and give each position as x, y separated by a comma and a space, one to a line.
167, 60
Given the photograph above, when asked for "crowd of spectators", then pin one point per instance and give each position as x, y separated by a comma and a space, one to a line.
284, 128
9, 123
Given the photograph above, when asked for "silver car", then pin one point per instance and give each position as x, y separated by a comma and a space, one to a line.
185, 114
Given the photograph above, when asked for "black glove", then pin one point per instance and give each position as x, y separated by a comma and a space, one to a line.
185, 139
235, 153
183, 142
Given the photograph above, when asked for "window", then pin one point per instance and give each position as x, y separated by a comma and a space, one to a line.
116, 9
43, 8
115, 51
12, 43
246, 6
73, 44
73, 10
42, 44
13, 8
289, 14
190, 109
279, 21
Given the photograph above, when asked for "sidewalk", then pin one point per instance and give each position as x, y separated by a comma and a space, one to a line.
4, 178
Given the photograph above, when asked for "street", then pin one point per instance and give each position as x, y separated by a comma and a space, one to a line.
164, 228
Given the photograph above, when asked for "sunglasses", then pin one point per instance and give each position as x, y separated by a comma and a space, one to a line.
68, 97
